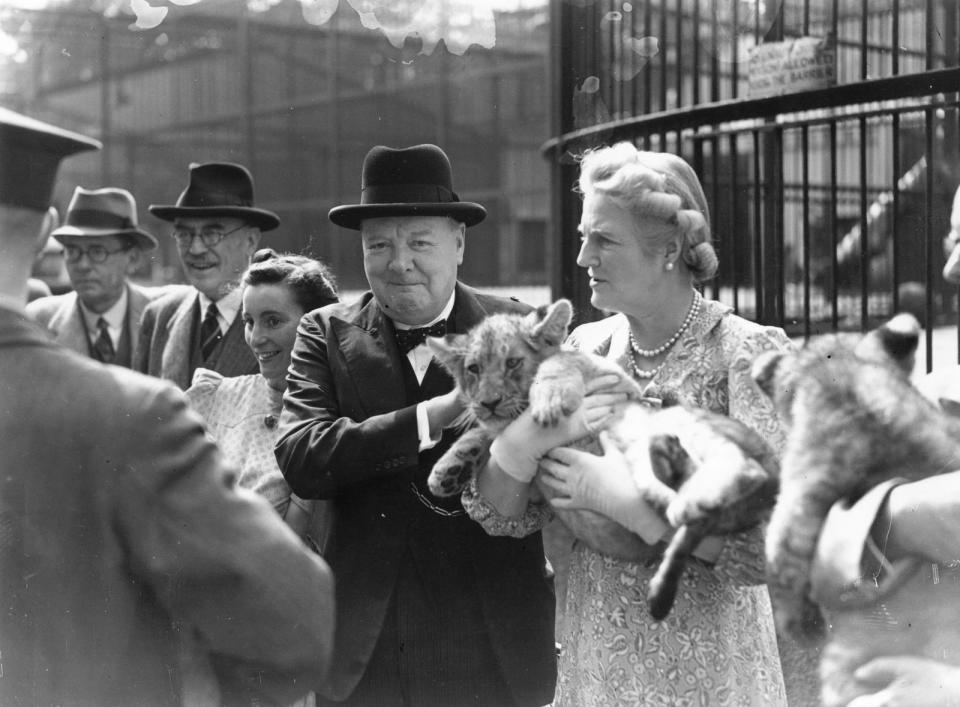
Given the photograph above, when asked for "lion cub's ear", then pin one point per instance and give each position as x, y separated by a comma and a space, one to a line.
449, 351
894, 341
552, 322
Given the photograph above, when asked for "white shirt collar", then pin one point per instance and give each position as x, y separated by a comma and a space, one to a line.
227, 307
444, 314
113, 316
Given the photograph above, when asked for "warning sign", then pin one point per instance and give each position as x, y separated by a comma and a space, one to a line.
796, 65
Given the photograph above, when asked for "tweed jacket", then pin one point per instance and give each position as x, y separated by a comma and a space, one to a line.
349, 434
132, 570
168, 346
62, 316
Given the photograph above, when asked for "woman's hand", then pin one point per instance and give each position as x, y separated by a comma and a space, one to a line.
603, 484
908, 680
519, 448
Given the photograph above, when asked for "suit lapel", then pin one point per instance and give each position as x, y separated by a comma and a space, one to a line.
370, 354
467, 311
67, 325
235, 358
137, 299
175, 358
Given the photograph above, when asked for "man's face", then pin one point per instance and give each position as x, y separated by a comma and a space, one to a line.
411, 264
215, 269
98, 284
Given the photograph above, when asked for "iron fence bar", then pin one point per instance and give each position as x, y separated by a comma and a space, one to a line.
734, 188
864, 40
735, 51
633, 60
648, 65
697, 59
715, 191
894, 87
928, 235
896, 168
864, 235
805, 177
757, 240
895, 40
678, 28
834, 230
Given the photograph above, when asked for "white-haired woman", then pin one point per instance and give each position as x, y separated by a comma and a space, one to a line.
645, 246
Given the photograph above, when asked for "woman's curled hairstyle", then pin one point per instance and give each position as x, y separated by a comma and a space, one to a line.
310, 281
657, 185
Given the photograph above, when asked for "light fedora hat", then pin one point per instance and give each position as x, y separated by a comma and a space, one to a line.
110, 211
218, 189
411, 181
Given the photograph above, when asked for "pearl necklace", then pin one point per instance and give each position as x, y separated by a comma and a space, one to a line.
644, 372
653, 353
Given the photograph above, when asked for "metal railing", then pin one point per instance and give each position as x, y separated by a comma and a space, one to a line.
795, 181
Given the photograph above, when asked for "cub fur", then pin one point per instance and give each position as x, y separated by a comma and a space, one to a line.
853, 420
706, 473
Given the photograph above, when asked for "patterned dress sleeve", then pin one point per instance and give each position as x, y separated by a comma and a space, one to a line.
493, 522
742, 558
202, 392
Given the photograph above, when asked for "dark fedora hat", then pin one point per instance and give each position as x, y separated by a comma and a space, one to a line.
30, 154
218, 189
412, 181
104, 212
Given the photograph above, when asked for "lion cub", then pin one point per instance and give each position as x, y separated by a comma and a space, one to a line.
853, 420
706, 473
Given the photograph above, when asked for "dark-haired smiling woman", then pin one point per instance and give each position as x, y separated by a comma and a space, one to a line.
242, 412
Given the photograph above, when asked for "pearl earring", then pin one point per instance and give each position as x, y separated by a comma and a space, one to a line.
668, 266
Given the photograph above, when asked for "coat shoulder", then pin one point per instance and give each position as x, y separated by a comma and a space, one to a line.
42, 310
594, 335
498, 304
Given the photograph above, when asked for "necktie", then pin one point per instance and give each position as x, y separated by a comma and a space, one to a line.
103, 346
408, 339
209, 332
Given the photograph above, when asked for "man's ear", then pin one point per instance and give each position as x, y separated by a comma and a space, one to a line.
253, 240
461, 242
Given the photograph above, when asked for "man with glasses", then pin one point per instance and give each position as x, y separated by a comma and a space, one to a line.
103, 245
217, 229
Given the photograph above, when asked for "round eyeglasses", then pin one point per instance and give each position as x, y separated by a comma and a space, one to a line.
208, 235
95, 253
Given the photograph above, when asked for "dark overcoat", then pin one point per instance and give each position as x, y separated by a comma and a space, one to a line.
169, 345
132, 570
349, 434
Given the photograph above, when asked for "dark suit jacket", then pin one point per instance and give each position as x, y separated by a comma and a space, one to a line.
169, 347
61, 315
132, 571
349, 433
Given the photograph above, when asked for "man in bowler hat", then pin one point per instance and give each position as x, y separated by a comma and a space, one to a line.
103, 245
132, 571
431, 611
217, 229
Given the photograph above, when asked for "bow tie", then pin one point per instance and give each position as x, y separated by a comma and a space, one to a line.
409, 339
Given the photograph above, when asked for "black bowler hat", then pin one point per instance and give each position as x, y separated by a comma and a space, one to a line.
413, 181
218, 189
104, 212
30, 154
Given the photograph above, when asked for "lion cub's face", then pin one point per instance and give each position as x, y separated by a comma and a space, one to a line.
495, 363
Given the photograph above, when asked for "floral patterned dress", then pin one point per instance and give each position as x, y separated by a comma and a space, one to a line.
718, 645
242, 415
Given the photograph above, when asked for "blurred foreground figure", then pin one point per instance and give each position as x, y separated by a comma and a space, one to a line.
132, 572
